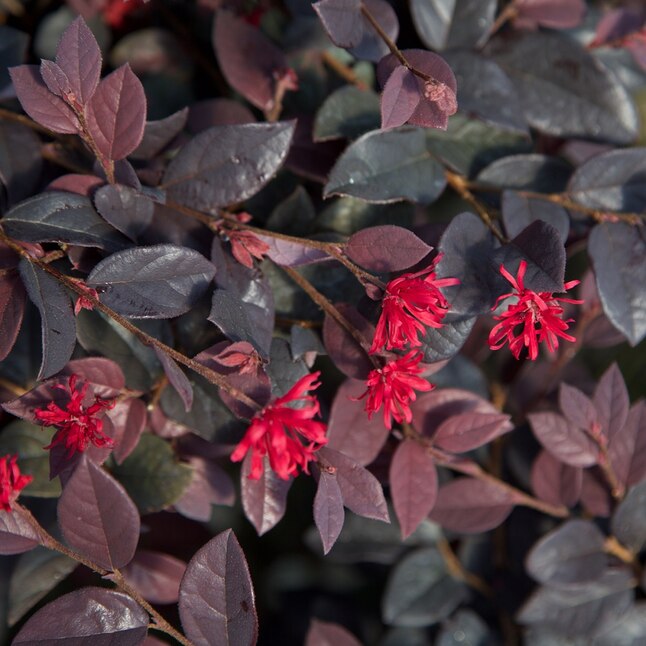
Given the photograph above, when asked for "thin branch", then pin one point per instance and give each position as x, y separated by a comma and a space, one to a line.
458, 571
345, 72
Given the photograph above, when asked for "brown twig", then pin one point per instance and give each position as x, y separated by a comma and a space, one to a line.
458, 571
345, 72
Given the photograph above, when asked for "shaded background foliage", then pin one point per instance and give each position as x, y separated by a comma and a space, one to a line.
231, 110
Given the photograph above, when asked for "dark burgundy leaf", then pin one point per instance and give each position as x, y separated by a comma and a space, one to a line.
342, 20
96, 615
250, 62
531, 172
209, 486
555, 482
177, 378
161, 281
78, 56
461, 23
617, 252
125, 208
611, 401
263, 500
595, 495
291, 253
216, 599
443, 343
581, 98
471, 506
218, 112
75, 183
407, 171
61, 217
129, 418
158, 134
468, 431
39, 103
116, 114
323, 633
564, 14
372, 47
349, 430
573, 553
361, 491
413, 485
518, 212
400, 98
227, 164
97, 517
57, 318
106, 376
617, 23
344, 349
56, 80
629, 520
579, 608
577, 407
328, 509
17, 534
420, 591
12, 307
155, 576
563, 440
386, 248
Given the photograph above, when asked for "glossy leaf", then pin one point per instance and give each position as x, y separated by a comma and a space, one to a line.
390, 175
116, 114
159, 134
617, 252
563, 440
58, 327
125, 208
328, 509
161, 281
372, 47
17, 534
97, 517
12, 307
61, 217
177, 378
324, 633
155, 575
471, 506
347, 113
413, 485
629, 519
227, 164
468, 431
445, 342
611, 401
518, 212
531, 172
104, 616
216, 599
554, 481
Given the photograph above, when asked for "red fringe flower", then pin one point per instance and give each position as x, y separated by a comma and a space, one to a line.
12, 482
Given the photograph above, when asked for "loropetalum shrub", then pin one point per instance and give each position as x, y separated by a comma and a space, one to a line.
342, 266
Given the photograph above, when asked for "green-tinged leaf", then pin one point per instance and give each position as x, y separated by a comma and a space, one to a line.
36, 573
152, 475
27, 441
388, 167
347, 113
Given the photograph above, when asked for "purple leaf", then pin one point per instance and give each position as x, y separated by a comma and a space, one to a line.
518, 212
361, 491
595, 495
372, 47
577, 408
563, 440
129, 419
161, 281
74, 183
636, 427
12, 307
611, 401
413, 485
218, 112
216, 600
386, 248
349, 430
78, 56
629, 519
156, 576
210, 485
573, 553
40, 104
158, 134
97, 517
178, 380
342, 20
555, 482
471, 506
227, 164
105, 375
116, 114
17, 534
349, 357
263, 500
328, 509
250, 62
55, 79
57, 318
323, 633
125, 208
291, 254
564, 14
468, 431
400, 98
90, 614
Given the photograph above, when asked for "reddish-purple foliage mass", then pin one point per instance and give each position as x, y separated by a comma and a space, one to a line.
284, 268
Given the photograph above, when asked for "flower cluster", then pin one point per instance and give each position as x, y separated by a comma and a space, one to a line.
278, 431
12, 482
534, 317
78, 425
